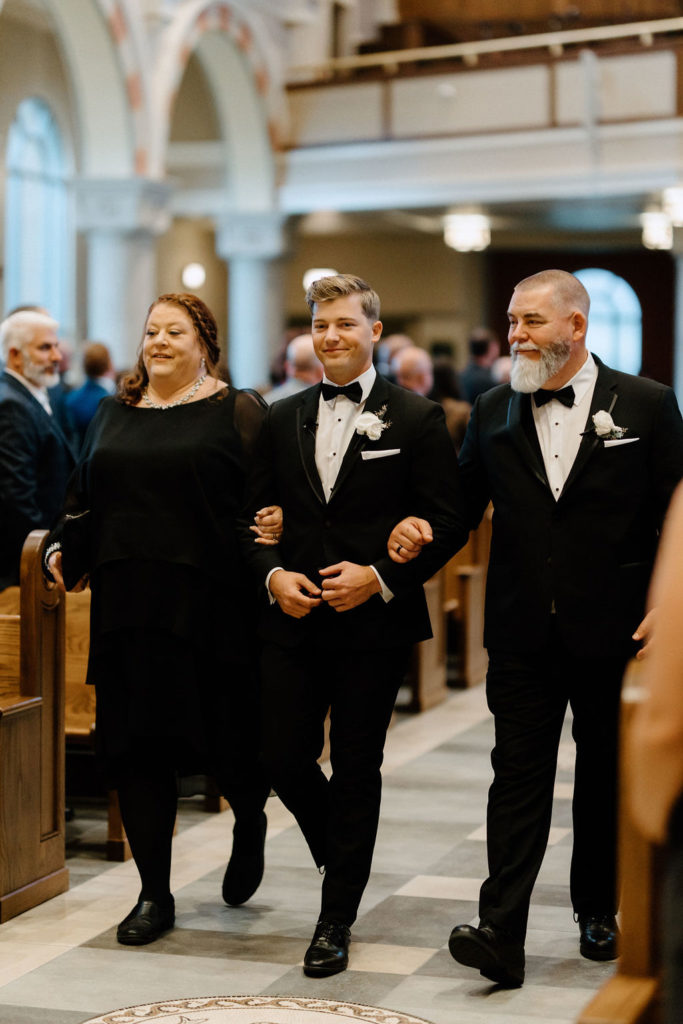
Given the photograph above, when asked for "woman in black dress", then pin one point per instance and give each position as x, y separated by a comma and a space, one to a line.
161, 480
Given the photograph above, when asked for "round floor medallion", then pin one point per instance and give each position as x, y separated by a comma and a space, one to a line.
254, 1010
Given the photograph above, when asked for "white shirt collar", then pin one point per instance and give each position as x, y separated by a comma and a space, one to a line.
366, 380
40, 394
584, 378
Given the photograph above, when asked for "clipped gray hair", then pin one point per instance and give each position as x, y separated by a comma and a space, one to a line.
17, 330
567, 288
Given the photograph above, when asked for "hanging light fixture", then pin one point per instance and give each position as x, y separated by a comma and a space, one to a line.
658, 232
193, 275
467, 232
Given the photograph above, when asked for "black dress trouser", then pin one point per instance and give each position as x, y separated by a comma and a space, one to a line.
338, 816
528, 695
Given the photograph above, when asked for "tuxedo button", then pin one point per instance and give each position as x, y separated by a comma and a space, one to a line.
328, 523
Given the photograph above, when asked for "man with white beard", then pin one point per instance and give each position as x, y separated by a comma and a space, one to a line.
580, 462
35, 457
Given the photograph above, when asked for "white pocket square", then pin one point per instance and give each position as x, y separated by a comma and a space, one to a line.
381, 454
620, 440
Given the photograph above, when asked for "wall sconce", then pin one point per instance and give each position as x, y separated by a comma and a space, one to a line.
467, 232
315, 273
672, 201
193, 275
658, 232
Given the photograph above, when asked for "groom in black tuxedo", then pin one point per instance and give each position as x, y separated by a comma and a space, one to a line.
346, 460
580, 462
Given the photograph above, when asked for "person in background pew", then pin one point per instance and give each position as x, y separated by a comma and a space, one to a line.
153, 502
578, 500
655, 748
35, 457
81, 403
344, 459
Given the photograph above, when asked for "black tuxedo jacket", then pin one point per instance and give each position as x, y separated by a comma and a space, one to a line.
35, 463
591, 552
370, 496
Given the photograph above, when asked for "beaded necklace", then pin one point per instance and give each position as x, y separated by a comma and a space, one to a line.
180, 401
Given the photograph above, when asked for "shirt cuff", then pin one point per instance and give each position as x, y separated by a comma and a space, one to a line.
270, 596
387, 594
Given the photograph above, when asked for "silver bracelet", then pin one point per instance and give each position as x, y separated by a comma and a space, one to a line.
46, 557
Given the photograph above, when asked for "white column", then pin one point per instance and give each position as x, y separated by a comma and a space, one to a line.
121, 221
251, 243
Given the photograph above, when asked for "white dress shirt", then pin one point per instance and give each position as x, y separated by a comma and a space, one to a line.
559, 428
336, 423
40, 394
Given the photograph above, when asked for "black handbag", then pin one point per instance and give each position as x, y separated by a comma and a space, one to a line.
76, 548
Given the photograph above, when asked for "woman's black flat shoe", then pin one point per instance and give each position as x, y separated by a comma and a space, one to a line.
146, 922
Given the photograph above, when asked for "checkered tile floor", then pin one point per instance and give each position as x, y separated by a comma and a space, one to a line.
60, 963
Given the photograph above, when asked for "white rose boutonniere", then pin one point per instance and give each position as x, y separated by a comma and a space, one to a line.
372, 424
605, 428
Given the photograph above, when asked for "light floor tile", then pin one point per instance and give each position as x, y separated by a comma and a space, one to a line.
108, 980
441, 887
384, 959
556, 835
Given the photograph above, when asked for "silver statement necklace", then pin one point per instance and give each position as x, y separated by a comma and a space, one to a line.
180, 401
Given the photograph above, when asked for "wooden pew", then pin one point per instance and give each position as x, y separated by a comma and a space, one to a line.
631, 995
427, 674
465, 587
32, 858
455, 597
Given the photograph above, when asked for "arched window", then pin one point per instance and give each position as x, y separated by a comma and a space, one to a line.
38, 258
614, 329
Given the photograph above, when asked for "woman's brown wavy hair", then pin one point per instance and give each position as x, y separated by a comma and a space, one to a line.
134, 383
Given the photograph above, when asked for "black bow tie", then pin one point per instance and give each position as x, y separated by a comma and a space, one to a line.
353, 391
564, 395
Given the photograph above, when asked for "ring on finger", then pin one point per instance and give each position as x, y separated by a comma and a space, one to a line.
399, 549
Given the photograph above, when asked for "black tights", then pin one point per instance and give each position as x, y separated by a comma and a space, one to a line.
148, 799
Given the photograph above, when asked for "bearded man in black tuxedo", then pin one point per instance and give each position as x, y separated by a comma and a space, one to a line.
346, 460
580, 462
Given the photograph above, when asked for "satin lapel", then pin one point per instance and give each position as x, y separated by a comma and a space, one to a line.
375, 400
604, 397
530, 453
306, 425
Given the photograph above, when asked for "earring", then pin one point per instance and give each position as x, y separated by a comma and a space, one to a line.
202, 366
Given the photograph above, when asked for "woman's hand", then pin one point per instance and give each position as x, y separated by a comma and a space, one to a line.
54, 564
408, 538
268, 528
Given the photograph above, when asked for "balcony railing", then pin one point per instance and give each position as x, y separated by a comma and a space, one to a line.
470, 52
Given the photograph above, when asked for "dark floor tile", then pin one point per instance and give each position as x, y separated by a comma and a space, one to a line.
414, 921
352, 986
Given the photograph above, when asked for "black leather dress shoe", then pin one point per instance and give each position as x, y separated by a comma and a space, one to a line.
328, 952
245, 868
497, 959
146, 922
599, 934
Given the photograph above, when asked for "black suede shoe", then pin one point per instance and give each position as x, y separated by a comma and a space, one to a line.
146, 922
497, 959
599, 934
245, 868
328, 952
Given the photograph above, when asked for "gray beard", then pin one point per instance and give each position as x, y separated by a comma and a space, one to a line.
528, 375
40, 376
